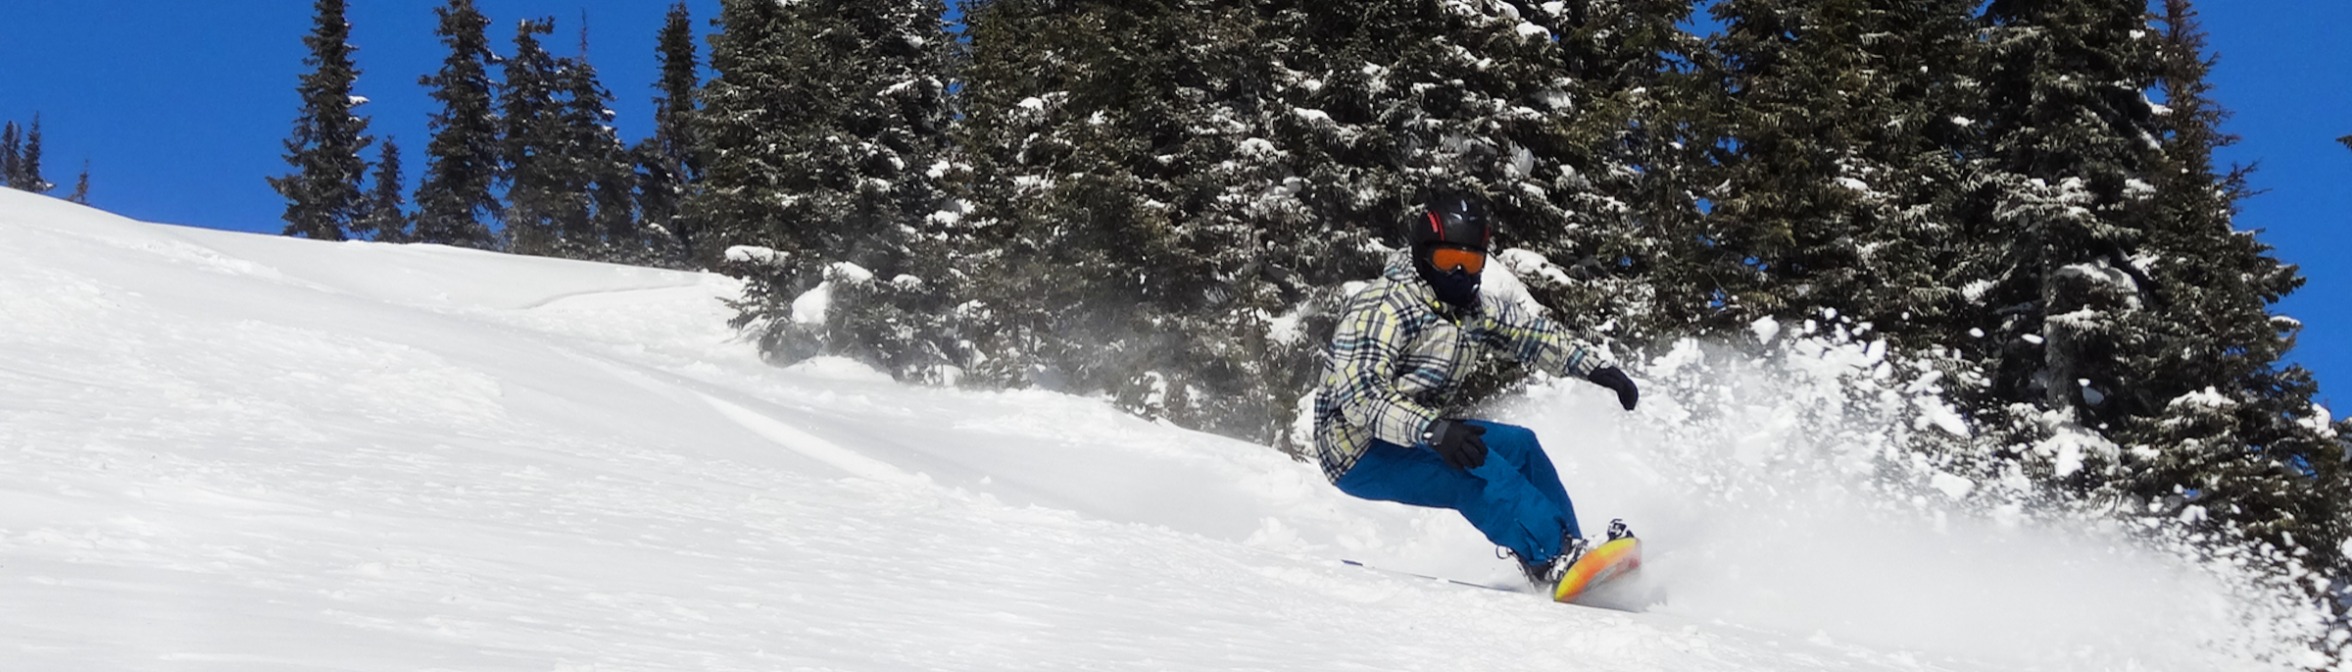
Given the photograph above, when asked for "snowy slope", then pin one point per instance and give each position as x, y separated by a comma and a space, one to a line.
222, 451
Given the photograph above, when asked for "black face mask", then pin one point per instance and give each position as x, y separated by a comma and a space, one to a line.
1456, 288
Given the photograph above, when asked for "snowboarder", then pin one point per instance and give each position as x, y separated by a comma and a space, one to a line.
1382, 431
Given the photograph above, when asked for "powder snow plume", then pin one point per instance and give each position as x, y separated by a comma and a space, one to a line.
1775, 495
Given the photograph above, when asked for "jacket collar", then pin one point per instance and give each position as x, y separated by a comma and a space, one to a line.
1400, 271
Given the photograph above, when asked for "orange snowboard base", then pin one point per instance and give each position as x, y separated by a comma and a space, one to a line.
1599, 566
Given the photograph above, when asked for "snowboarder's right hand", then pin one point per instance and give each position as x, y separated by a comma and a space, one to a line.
1458, 443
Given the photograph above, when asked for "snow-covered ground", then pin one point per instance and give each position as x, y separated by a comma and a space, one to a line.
222, 451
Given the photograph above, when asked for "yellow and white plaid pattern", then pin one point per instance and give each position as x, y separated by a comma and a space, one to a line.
1391, 366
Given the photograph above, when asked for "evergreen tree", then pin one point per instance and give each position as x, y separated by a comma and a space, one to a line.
1925, 142
387, 219
894, 128
28, 163
1336, 160
1014, 87
2221, 423
598, 173
20, 157
895, 150
11, 154
1837, 159
1630, 184
741, 134
666, 162
540, 202
1112, 144
856, 167
81, 192
1783, 221
567, 176
454, 201
323, 194
2048, 266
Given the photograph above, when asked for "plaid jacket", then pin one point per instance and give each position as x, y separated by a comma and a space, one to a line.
1391, 367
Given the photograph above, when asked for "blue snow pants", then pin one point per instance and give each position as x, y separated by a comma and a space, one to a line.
1515, 497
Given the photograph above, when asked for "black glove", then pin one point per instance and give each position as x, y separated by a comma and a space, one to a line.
1457, 442
1614, 378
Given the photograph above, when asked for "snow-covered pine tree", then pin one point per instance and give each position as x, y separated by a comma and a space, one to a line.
540, 200
1132, 202
1851, 133
756, 101
1013, 90
1281, 241
850, 156
2052, 286
1925, 135
853, 170
895, 150
596, 167
322, 195
612, 191
1782, 223
1333, 173
2221, 423
1222, 181
387, 216
666, 163
1838, 158
754, 107
1632, 201
454, 201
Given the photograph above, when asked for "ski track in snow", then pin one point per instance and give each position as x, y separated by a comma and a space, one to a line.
222, 451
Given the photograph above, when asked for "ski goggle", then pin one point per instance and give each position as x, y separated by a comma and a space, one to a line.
1447, 258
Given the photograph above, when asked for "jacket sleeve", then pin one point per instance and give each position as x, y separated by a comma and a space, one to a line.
1365, 354
1537, 342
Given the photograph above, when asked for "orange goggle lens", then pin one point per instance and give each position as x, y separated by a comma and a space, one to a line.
1450, 258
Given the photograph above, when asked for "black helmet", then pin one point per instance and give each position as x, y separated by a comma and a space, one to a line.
1451, 220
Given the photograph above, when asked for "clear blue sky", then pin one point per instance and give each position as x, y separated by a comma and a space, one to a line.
180, 108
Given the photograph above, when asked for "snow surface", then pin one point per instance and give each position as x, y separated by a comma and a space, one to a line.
222, 451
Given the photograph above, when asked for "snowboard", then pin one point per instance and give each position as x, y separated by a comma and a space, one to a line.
1599, 579
1599, 567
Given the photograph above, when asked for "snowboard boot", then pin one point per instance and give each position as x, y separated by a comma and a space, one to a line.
1572, 548
1547, 574
1617, 529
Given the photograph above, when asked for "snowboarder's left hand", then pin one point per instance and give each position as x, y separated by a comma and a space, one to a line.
1614, 378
